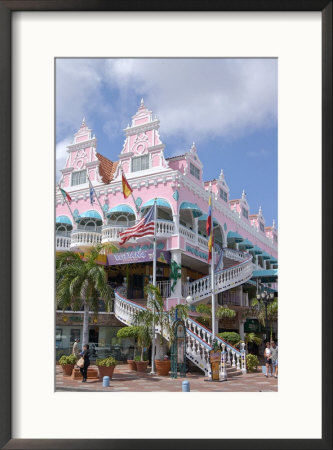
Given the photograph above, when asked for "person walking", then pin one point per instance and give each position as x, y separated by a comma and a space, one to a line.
274, 355
76, 350
85, 355
268, 359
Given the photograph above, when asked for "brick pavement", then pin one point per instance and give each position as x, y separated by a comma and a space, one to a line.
125, 380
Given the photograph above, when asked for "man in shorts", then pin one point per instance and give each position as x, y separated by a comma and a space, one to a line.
274, 356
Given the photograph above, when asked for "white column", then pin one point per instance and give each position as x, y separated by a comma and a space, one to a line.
176, 222
241, 329
195, 229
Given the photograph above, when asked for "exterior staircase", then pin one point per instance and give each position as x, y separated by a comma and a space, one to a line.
237, 269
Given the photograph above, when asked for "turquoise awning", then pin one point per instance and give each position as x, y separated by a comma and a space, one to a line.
196, 211
91, 214
266, 288
121, 209
159, 202
268, 276
63, 219
246, 243
235, 236
265, 255
256, 250
273, 260
205, 217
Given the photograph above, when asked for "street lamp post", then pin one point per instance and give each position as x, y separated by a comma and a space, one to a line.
266, 298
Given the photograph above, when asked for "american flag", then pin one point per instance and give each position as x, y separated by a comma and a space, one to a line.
143, 228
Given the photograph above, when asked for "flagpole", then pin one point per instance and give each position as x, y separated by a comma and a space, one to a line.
153, 346
74, 221
212, 267
92, 187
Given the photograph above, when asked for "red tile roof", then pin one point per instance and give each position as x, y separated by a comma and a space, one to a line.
107, 168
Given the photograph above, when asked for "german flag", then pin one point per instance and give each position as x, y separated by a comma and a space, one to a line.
127, 190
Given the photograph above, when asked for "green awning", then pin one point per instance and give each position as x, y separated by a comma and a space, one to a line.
233, 235
159, 202
246, 244
196, 211
64, 220
121, 209
256, 250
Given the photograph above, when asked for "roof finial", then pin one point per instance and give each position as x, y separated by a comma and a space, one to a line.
273, 223
142, 103
243, 194
260, 210
83, 122
221, 173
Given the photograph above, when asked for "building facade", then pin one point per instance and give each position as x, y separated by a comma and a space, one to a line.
246, 249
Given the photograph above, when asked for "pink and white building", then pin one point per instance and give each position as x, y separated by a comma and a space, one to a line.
249, 246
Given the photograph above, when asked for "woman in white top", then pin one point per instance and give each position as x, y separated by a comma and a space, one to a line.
268, 358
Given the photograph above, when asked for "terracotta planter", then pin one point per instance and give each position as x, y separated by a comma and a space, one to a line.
163, 367
141, 366
131, 364
67, 368
106, 371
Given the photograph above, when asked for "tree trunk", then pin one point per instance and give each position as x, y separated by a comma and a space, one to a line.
160, 348
85, 329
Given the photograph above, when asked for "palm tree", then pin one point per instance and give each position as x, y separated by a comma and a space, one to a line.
155, 315
258, 309
82, 281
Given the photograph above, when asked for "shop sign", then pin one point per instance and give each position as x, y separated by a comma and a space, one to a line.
251, 326
138, 256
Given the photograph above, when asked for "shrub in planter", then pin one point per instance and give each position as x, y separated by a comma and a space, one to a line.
252, 362
106, 366
231, 337
129, 332
67, 363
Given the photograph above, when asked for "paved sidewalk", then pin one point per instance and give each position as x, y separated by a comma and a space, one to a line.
125, 380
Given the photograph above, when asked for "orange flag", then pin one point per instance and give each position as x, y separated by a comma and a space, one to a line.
127, 190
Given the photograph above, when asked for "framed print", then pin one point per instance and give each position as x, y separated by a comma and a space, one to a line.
149, 153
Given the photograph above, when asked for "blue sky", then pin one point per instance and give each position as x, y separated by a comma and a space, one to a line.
228, 107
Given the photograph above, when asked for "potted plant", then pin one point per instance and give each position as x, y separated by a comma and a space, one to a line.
129, 332
156, 317
106, 366
67, 364
144, 340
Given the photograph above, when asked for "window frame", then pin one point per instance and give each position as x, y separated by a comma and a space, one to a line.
137, 159
194, 171
77, 172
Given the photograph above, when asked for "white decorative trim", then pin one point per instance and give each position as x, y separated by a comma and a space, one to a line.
82, 145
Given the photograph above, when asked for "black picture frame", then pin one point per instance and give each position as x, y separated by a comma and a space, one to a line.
6, 9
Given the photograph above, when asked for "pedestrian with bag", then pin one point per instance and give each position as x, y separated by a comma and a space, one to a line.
84, 362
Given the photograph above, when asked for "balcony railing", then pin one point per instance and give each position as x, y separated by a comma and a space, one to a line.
85, 238
63, 242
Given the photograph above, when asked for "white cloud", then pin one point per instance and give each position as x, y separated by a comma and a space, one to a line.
194, 98
61, 155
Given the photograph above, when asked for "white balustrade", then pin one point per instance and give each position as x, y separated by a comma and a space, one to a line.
224, 279
198, 342
63, 243
165, 228
84, 238
188, 234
